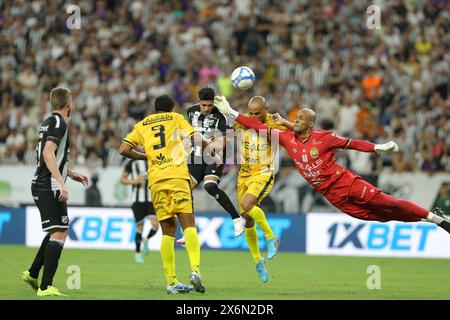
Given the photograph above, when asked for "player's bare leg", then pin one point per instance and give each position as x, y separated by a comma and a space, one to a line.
211, 186
187, 222
138, 240
249, 205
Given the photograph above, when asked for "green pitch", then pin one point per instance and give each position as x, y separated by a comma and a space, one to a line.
112, 274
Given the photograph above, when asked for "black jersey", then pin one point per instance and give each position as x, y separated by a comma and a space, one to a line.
213, 124
52, 129
136, 168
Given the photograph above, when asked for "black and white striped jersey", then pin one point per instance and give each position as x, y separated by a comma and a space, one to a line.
134, 169
54, 129
213, 124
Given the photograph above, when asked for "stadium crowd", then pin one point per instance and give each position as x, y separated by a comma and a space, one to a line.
380, 84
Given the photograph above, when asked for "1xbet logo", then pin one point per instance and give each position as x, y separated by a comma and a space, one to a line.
378, 236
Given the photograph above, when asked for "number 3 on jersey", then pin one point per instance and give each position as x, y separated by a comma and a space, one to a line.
160, 133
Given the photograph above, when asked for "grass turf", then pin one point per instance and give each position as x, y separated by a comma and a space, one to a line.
230, 275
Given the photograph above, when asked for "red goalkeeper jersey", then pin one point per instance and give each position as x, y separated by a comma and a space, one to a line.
314, 155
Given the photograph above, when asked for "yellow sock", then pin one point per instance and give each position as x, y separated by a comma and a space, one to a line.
260, 218
251, 235
168, 259
193, 248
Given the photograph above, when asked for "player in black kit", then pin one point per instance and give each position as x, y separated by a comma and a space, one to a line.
50, 193
207, 120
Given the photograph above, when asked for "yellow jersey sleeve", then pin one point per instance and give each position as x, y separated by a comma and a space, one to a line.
184, 127
270, 123
134, 139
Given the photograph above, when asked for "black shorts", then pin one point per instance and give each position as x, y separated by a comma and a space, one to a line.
53, 212
199, 171
142, 210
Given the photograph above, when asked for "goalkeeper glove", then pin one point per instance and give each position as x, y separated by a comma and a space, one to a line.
221, 103
390, 146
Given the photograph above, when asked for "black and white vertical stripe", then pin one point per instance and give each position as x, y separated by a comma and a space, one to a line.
141, 192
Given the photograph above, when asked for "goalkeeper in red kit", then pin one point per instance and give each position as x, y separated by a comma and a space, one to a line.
313, 153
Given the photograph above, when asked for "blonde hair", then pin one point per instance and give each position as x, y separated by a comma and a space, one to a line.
59, 97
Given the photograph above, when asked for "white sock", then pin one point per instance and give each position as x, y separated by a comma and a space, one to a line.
434, 218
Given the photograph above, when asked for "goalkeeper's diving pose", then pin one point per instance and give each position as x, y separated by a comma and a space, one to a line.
312, 151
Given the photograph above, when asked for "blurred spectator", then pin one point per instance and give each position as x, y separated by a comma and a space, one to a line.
443, 200
92, 195
346, 118
303, 53
16, 144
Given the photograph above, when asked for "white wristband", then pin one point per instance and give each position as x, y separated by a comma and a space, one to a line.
234, 113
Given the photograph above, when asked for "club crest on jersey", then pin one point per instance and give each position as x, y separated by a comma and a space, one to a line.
314, 153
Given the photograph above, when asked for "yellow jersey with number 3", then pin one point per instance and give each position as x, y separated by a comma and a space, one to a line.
255, 152
161, 136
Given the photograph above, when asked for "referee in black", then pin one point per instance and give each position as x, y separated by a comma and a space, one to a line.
50, 193
135, 174
212, 124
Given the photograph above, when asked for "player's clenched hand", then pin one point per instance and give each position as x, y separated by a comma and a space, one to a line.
390, 146
278, 119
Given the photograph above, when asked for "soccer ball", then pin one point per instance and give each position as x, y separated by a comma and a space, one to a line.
242, 78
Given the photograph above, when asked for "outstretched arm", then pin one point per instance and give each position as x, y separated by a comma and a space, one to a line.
360, 145
366, 146
221, 103
336, 141
279, 120
251, 123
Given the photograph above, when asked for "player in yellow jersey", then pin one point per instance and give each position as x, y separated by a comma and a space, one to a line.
162, 135
255, 180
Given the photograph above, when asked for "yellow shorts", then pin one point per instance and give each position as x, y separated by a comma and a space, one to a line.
170, 197
258, 185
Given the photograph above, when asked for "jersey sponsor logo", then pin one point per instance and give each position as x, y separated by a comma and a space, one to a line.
160, 160
314, 153
311, 165
209, 122
157, 118
254, 147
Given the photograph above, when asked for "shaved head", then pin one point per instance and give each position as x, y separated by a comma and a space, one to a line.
309, 115
257, 100
305, 121
257, 108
